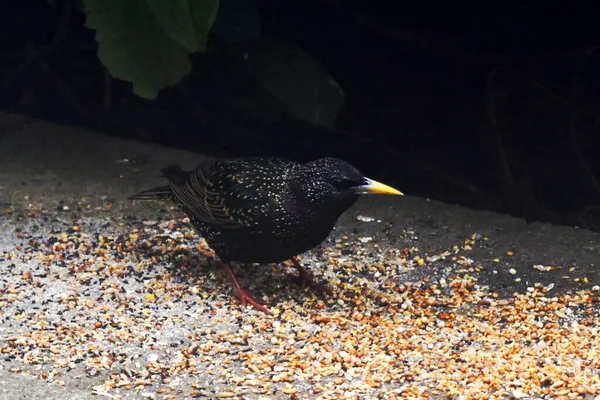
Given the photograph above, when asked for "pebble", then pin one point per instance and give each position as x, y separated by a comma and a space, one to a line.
141, 308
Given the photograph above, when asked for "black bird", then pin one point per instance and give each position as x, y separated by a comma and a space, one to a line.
264, 210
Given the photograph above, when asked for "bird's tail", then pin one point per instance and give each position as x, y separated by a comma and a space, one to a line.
157, 193
175, 175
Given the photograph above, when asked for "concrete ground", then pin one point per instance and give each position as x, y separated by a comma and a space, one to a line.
57, 180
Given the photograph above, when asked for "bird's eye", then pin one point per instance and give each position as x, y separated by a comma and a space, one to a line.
344, 184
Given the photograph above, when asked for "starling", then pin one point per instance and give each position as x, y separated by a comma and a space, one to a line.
264, 210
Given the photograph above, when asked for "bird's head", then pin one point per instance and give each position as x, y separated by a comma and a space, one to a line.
336, 182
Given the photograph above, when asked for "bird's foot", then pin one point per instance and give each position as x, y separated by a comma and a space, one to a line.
244, 296
247, 299
307, 278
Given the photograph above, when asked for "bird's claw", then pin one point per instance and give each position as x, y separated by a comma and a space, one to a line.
244, 296
308, 279
247, 299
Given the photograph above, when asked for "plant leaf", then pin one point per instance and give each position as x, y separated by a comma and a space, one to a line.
203, 14
175, 20
299, 81
137, 46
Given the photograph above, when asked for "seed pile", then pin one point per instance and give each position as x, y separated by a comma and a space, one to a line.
133, 308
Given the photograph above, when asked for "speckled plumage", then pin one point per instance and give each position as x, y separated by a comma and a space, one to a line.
263, 210
260, 210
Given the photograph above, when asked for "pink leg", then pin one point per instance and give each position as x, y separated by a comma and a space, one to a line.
308, 277
245, 297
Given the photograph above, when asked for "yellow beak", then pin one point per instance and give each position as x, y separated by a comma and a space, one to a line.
374, 187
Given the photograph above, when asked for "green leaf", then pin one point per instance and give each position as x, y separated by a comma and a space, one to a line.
188, 22
204, 13
174, 18
149, 45
299, 81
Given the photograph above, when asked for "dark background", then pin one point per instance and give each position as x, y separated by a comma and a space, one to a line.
487, 106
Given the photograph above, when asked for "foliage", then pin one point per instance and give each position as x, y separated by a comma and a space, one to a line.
298, 80
149, 42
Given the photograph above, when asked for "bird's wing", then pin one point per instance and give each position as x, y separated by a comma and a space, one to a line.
218, 193
195, 192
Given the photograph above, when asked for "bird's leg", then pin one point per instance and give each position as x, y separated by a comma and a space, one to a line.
308, 278
245, 297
